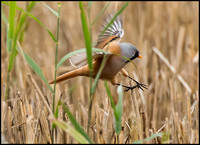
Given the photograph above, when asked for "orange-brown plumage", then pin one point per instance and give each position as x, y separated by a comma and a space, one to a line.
84, 71
104, 41
110, 42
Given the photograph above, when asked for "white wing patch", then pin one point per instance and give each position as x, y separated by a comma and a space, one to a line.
114, 29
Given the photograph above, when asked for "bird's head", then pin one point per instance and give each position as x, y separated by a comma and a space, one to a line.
129, 51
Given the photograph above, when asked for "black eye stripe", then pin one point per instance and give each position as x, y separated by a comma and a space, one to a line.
133, 57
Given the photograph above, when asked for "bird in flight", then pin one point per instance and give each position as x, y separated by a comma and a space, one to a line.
116, 54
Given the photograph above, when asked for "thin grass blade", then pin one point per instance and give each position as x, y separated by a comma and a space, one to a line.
56, 112
109, 95
165, 137
119, 110
11, 30
30, 15
89, 4
53, 11
126, 59
23, 21
92, 89
98, 74
87, 36
5, 20
75, 123
100, 13
64, 58
71, 131
8, 41
12, 13
148, 138
30, 6
37, 69
3, 17
114, 17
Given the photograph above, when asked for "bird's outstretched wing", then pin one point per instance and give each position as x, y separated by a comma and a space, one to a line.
80, 59
112, 34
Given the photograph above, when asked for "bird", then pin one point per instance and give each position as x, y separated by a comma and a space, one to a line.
116, 52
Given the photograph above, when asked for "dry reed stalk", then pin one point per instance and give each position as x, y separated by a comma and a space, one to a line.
154, 107
179, 47
189, 117
36, 129
35, 84
167, 130
172, 68
45, 128
116, 6
138, 122
17, 121
8, 118
196, 58
140, 91
145, 124
23, 118
40, 93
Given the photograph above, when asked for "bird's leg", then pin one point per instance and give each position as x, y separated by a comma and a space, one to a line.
127, 87
139, 85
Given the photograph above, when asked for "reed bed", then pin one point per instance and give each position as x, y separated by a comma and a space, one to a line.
166, 34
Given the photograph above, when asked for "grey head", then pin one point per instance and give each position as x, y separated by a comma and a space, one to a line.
130, 51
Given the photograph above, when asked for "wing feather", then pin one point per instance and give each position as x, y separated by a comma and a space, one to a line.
79, 60
114, 32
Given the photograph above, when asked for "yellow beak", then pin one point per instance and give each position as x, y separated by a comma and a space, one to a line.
140, 56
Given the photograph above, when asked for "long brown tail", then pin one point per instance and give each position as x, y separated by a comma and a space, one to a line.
83, 71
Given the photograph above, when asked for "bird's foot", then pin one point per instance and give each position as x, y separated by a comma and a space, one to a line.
139, 86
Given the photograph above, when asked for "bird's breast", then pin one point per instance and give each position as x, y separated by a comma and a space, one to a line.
113, 65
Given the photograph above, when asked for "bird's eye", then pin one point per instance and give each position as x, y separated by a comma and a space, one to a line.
136, 54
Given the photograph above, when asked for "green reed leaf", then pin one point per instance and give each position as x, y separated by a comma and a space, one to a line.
87, 36
12, 13
117, 109
148, 138
75, 123
30, 15
100, 13
52, 10
64, 58
37, 69
71, 131
56, 112
114, 17
89, 4
3, 17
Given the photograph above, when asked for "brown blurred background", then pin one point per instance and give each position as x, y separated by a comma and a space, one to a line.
171, 27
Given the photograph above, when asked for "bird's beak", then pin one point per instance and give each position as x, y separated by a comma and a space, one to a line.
140, 56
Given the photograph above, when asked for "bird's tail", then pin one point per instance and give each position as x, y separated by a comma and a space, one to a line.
83, 71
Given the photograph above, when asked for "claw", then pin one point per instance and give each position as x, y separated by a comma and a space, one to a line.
132, 87
138, 85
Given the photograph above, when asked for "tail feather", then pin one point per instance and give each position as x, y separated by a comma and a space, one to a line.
78, 72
